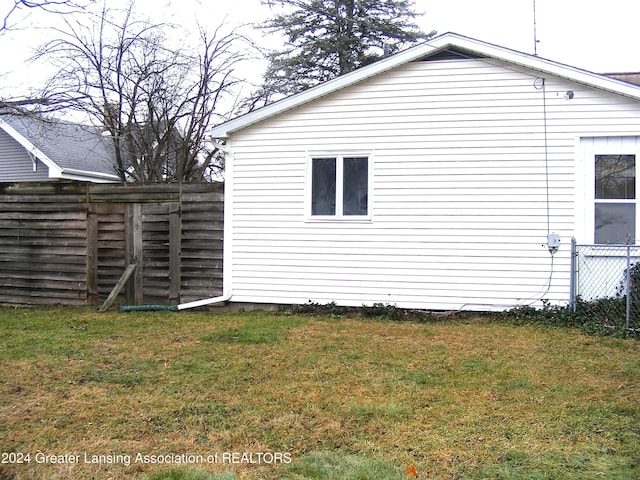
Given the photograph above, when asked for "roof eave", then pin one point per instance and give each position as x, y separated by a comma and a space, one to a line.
54, 168
87, 176
551, 67
224, 130
447, 40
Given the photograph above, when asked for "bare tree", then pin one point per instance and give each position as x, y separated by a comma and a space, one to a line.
154, 99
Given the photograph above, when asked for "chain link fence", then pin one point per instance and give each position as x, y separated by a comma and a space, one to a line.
606, 284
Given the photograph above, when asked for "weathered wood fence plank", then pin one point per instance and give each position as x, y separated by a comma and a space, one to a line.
92, 257
118, 288
175, 241
134, 221
69, 242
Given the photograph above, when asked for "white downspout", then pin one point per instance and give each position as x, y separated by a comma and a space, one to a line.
206, 301
228, 236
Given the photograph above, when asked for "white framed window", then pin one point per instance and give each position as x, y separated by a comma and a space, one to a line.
339, 186
615, 199
611, 213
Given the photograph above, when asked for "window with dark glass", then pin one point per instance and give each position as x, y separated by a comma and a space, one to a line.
355, 186
323, 186
615, 199
340, 186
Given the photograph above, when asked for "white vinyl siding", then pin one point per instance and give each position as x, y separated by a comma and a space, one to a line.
459, 188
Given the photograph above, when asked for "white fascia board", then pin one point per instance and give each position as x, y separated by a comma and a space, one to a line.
54, 169
442, 42
225, 129
96, 177
542, 65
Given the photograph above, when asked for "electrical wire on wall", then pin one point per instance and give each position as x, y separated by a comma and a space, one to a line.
553, 240
540, 84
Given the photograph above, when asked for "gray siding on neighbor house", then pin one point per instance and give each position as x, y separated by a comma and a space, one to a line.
15, 163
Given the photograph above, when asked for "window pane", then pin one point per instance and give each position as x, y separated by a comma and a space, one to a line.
615, 223
323, 186
615, 176
355, 188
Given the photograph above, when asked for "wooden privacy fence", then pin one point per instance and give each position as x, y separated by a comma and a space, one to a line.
69, 243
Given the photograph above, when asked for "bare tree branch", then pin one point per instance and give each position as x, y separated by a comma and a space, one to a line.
51, 6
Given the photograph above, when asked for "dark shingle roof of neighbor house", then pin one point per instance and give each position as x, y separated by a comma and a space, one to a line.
74, 148
629, 77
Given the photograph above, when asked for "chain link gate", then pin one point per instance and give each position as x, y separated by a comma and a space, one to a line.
606, 279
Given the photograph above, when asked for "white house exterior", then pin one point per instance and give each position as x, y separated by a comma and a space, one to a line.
430, 179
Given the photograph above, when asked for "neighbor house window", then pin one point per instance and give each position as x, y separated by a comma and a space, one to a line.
615, 199
340, 186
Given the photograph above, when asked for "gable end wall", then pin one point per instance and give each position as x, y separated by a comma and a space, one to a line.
461, 178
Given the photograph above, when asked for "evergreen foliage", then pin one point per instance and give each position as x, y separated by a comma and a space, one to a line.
328, 38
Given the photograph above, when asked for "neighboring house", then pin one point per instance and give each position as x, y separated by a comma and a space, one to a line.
432, 179
34, 149
630, 77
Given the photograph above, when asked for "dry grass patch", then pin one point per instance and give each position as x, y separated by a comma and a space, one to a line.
343, 398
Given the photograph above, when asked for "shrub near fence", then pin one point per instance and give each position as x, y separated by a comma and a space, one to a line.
68, 243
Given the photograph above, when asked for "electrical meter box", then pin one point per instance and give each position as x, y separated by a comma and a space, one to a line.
553, 242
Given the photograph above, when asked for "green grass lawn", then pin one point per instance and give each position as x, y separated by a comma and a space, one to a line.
200, 396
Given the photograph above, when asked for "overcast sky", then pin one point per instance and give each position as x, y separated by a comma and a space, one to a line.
596, 35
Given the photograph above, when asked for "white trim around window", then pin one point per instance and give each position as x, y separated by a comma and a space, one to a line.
334, 194
600, 148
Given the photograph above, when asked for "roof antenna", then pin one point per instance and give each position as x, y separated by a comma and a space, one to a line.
535, 33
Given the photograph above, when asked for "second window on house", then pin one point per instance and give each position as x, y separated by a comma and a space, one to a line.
340, 186
615, 199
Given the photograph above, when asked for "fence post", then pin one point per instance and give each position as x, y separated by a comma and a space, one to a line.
133, 248
572, 276
628, 287
92, 256
175, 238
